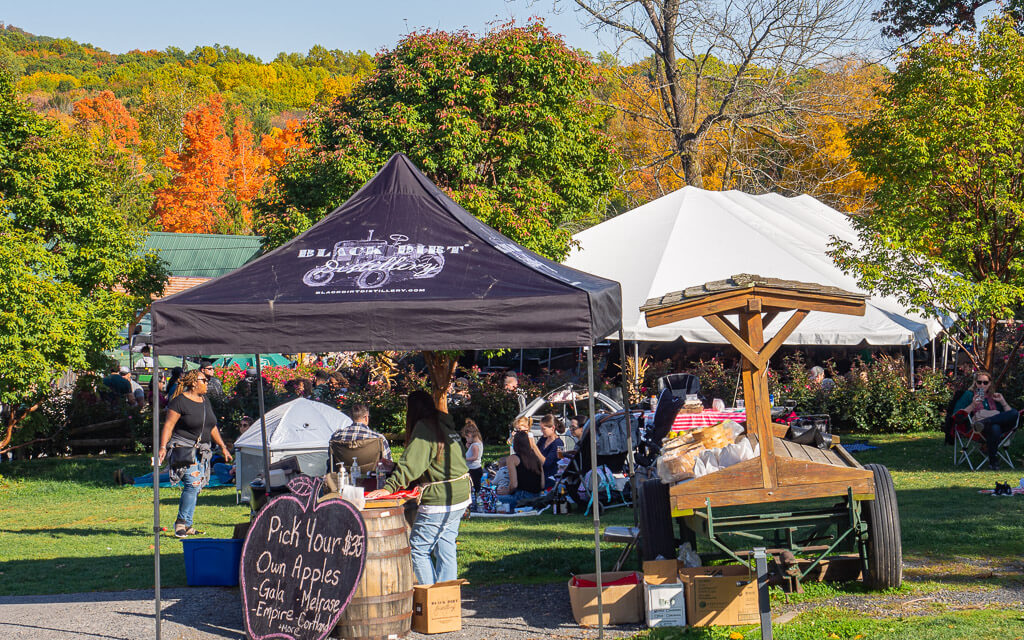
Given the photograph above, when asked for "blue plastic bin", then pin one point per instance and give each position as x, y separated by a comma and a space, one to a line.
212, 562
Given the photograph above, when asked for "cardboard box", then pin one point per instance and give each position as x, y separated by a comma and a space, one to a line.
664, 594
621, 604
437, 608
724, 595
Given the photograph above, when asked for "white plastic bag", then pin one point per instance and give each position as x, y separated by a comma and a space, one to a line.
730, 455
688, 556
699, 469
710, 457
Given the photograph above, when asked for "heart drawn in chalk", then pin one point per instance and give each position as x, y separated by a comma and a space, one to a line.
301, 563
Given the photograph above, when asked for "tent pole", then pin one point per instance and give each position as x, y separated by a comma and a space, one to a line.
945, 353
629, 427
520, 362
155, 384
263, 426
934, 343
593, 492
911, 345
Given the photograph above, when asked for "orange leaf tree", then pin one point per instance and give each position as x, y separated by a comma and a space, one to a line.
215, 176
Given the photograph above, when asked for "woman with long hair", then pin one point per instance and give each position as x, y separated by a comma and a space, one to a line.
525, 471
435, 461
190, 423
549, 445
992, 414
172, 383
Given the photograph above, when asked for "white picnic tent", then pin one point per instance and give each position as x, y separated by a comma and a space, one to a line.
692, 236
300, 428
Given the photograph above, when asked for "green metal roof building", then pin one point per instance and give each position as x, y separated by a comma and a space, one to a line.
203, 255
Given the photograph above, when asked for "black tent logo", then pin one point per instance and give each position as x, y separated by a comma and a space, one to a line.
371, 264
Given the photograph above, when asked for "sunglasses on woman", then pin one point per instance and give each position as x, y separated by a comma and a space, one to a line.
982, 381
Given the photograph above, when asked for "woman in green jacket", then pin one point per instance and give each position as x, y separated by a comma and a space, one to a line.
435, 461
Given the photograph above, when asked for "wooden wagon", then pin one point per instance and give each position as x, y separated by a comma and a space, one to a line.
865, 518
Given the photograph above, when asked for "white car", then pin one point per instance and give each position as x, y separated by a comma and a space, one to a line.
565, 402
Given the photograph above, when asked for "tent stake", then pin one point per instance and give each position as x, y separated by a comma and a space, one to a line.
155, 387
263, 426
593, 492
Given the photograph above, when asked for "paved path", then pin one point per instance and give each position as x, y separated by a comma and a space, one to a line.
512, 612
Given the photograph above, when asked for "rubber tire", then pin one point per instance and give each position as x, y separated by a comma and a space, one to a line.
885, 542
654, 516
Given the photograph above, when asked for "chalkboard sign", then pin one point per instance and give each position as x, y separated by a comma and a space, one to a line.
301, 563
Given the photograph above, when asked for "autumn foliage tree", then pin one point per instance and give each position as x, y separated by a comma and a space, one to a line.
215, 176
793, 152
193, 203
113, 134
947, 235
505, 124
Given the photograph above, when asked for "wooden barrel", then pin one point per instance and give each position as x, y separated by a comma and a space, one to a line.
381, 607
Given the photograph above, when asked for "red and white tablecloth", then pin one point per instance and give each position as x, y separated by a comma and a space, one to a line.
706, 419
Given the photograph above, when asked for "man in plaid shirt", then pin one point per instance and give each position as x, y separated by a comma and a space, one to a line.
359, 430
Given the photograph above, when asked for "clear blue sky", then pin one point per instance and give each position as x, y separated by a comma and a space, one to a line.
266, 28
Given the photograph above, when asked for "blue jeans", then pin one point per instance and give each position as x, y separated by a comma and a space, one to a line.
191, 483
433, 546
513, 499
993, 428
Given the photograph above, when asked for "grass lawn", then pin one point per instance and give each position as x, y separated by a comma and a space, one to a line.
65, 528
831, 624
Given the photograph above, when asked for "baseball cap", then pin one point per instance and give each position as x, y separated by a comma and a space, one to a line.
125, 370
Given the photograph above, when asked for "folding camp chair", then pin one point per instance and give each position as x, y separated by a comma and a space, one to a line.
367, 452
967, 442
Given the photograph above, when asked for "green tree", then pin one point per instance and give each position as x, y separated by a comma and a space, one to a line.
505, 124
72, 271
946, 145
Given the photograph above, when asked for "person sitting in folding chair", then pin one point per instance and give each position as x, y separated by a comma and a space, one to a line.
990, 413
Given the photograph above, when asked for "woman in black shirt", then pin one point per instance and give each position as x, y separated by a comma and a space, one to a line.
190, 422
525, 473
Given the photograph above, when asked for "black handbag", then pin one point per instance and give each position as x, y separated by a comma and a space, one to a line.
182, 456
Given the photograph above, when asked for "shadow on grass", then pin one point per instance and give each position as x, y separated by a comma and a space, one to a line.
80, 531
74, 575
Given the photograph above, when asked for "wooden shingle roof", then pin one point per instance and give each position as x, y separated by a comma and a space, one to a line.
750, 292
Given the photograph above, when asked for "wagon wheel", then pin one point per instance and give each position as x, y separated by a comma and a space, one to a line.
884, 544
318, 277
373, 279
655, 519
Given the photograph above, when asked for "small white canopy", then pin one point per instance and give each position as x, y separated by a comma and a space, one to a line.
300, 428
691, 236
297, 425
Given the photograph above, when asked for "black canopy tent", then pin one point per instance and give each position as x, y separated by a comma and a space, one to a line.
399, 266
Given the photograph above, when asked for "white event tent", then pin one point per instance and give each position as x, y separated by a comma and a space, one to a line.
691, 236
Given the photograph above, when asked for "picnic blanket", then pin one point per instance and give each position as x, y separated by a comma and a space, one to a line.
516, 514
